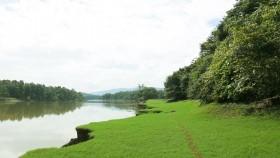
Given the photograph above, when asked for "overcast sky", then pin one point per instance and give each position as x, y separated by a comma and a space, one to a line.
93, 45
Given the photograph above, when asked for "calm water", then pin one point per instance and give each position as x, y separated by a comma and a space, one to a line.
25, 126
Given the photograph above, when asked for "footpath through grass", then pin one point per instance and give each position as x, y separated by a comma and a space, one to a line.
182, 129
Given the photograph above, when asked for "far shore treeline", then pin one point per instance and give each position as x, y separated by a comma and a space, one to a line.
143, 93
36, 92
239, 62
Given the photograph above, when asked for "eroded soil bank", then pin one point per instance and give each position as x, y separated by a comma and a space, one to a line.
82, 136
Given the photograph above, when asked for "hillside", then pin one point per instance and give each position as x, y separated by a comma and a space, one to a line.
113, 91
239, 62
88, 96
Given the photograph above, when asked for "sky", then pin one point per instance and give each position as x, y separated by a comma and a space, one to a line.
93, 45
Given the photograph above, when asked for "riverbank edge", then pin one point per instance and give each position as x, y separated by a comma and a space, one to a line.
210, 109
84, 134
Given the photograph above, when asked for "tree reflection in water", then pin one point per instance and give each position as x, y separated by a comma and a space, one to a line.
21, 110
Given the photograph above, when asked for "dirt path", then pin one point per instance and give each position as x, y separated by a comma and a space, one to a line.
191, 144
188, 138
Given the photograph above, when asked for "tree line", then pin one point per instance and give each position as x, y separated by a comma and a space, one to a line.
141, 94
240, 60
36, 92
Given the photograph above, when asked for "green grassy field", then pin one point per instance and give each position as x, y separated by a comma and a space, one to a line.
182, 129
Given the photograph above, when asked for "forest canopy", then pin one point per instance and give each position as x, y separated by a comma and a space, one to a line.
36, 92
239, 62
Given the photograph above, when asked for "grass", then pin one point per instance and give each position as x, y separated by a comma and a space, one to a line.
181, 129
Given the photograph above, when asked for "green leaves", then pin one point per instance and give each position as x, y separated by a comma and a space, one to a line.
240, 61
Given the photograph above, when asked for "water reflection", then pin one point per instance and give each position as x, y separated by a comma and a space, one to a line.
18, 111
121, 105
26, 126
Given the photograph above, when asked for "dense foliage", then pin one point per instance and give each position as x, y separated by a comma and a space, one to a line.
143, 93
240, 60
38, 92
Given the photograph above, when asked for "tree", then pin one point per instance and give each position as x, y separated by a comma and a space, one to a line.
239, 61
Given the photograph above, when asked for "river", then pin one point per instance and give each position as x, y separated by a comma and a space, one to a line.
30, 125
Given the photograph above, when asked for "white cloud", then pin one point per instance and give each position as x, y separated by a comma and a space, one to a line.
92, 45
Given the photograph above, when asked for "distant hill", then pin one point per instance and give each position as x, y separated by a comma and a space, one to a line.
113, 91
91, 96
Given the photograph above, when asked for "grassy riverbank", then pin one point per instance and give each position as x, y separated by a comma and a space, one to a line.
182, 129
